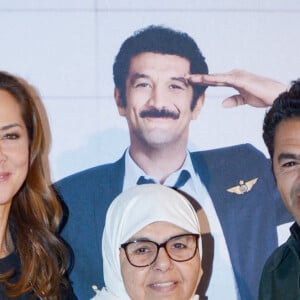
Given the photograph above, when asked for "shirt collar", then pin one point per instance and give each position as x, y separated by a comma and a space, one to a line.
133, 172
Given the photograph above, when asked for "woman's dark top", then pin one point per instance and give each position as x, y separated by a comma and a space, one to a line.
12, 261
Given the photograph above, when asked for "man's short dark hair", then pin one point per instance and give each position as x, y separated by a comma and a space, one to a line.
162, 40
286, 106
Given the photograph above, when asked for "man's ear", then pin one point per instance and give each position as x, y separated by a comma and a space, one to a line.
198, 106
119, 102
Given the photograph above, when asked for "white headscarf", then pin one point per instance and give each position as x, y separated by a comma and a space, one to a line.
130, 212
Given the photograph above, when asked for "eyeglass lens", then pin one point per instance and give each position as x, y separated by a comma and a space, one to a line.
179, 248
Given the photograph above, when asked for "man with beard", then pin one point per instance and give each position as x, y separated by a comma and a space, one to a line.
159, 97
281, 133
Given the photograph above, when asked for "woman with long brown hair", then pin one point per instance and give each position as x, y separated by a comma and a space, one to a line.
33, 259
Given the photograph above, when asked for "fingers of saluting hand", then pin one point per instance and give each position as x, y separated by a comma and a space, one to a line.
217, 79
233, 101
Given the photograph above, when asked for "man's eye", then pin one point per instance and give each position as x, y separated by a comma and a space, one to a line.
289, 164
142, 85
175, 86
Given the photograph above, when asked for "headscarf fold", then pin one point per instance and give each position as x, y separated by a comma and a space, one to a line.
130, 212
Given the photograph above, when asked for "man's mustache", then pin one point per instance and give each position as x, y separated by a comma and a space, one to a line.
159, 113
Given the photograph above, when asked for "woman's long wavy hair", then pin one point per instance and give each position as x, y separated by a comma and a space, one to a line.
35, 212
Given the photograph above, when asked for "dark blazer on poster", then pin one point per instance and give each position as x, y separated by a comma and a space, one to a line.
249, 220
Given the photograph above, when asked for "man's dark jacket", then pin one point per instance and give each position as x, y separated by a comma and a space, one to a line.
248, 220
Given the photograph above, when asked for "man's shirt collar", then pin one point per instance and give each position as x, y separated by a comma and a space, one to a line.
133, 172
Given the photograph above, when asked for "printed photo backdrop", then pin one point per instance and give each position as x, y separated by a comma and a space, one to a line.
66, 49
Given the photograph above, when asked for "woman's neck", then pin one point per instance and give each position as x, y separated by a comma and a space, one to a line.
6, 243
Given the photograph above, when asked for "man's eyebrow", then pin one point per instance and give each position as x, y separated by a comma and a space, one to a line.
288, 155
182, 79
9, 126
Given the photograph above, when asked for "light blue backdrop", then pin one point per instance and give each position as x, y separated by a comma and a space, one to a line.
66, 48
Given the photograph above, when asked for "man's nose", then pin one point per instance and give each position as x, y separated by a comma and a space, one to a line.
158, 97
298, 172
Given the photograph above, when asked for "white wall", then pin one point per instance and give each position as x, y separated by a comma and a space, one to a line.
66, 48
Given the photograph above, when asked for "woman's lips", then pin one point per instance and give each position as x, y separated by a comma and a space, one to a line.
166, 286
4, 176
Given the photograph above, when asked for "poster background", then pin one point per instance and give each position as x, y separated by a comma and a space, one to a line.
66, 48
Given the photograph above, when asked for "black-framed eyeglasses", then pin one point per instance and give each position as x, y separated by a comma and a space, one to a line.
143, 252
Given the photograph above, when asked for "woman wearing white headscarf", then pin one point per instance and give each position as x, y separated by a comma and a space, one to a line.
140, 222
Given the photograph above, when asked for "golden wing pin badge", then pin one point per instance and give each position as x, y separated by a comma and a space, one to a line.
243, 187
